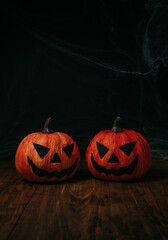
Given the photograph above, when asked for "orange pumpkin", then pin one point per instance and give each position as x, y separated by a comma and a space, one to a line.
47, 156
118, 154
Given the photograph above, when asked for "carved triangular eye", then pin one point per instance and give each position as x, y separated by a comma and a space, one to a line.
127, 148
68, 150
101, 149
42, 151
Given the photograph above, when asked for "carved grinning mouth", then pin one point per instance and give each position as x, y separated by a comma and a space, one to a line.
123, 170
43, 173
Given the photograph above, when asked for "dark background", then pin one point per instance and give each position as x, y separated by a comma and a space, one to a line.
83, 64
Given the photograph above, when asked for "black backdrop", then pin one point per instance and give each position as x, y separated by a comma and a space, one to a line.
84, 64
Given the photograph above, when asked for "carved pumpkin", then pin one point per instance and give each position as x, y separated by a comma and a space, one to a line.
47, 156
118, 154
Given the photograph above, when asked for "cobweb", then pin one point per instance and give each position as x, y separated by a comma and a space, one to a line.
131, 56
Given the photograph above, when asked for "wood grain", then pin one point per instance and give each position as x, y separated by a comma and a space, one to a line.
84, 207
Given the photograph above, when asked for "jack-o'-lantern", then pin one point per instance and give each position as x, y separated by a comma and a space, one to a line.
47, 156
118, 154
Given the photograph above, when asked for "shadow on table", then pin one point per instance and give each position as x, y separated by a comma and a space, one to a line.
80, 175
154, 174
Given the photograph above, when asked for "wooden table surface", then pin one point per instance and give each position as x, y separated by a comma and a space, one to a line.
84, 207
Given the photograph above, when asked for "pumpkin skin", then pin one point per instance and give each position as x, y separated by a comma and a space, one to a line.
118, 155
47, 157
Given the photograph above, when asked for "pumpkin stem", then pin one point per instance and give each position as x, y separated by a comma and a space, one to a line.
46, 129
116, 128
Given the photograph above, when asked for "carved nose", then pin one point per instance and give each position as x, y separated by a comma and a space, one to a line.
113, 159
55, 159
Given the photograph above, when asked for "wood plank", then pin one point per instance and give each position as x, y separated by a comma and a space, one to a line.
14, 196
86, 208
